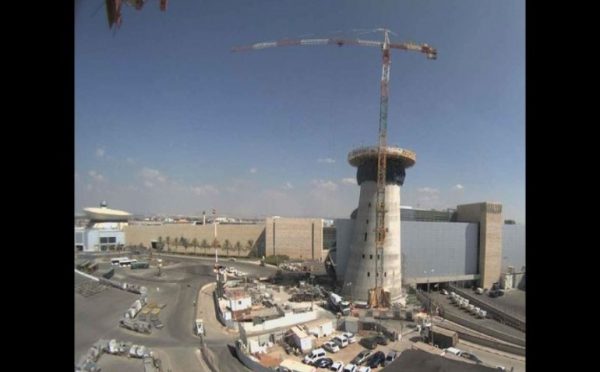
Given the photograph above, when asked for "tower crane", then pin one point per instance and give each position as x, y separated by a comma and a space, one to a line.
386, 46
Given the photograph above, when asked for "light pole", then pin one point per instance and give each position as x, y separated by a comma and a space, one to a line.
430, 310
349, 284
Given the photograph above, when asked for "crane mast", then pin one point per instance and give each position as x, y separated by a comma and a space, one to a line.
431, 53
382, 165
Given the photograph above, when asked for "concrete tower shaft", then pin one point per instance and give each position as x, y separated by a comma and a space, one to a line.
362, 274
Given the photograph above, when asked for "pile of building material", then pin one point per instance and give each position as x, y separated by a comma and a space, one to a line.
114, 347
88, 288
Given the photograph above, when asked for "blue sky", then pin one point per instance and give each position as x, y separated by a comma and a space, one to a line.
168, 120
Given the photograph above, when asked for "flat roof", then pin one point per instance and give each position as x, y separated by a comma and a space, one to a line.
95, 213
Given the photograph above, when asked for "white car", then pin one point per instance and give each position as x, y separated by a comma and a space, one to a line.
312, 357
350, 336
342, 341
364, 369
337, 367
350, 368
331, 347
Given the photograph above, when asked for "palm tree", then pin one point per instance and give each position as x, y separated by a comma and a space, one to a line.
176, 242
238, 245
227, 245
168, 241
195, 245
250, 244
204, 245
184, 242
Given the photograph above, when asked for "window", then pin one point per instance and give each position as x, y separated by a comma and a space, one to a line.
363, 256
239, 302
112, 239
377, 274
371, 256
368, 273
377, 256
365, 237
385, 274
369, 204
367, 222
103, 240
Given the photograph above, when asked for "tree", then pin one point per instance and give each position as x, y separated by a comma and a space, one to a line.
168, 241
184, 242
204, 245
227, 245
238, 245
176, 243
160, 243
195, 244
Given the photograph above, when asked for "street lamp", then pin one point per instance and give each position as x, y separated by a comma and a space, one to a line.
349, 284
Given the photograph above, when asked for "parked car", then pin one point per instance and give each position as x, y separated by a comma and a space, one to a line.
312, 357
331, 347
381, 339
350, 367
337, 366
472, 357
363, 369
361, 357
453, 350
376, 360
341, 341
369, 342
392, 355
323, 363
350, 336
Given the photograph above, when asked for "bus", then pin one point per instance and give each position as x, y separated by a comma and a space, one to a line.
122, 261
116, 261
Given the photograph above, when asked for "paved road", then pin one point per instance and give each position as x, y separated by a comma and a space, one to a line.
97, 316
489, 323
492, 358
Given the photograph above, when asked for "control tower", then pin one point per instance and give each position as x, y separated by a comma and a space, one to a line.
361, 273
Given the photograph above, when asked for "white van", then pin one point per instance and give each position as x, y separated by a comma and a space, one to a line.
313, 356
454, 351
341, 341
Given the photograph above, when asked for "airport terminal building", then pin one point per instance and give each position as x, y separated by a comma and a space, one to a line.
469, 243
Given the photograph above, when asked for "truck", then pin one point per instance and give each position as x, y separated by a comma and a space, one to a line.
199, 327
337, 303
135, 325
139, 265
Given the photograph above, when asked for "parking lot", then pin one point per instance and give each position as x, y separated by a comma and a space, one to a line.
346, 354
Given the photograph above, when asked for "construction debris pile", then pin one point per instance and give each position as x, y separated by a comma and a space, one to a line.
88, 362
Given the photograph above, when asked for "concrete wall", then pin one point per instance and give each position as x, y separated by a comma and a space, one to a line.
489, 217
139, 234
513, 247
295, 237
285, 321
449, 248
363, 271
343, 231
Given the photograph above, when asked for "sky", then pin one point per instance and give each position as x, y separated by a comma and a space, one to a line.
168, 120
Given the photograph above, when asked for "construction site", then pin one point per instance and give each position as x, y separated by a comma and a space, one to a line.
387, 288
